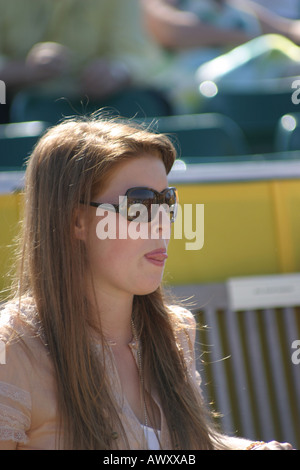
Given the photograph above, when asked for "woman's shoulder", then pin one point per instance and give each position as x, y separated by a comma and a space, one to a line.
9, 321
183, 318
185, 332
20, 331
15, 374
17, 317
26, 373
23, 351
184, 325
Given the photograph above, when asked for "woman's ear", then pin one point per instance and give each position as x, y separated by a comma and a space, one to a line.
81, 224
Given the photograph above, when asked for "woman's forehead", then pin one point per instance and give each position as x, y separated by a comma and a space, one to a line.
147, 170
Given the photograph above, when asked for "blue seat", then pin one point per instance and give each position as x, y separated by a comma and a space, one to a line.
31, 105
256, 112
203, 135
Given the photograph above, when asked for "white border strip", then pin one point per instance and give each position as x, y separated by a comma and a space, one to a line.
234, 171
11, 181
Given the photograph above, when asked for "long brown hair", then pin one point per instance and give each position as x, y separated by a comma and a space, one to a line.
70, 161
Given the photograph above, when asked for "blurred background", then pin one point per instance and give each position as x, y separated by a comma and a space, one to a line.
222, 78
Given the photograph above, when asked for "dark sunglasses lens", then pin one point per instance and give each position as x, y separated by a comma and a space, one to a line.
143, 204
140, 201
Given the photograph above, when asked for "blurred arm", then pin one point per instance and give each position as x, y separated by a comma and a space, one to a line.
270, 22
177, 29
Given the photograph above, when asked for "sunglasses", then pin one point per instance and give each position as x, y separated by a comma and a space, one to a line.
143, 204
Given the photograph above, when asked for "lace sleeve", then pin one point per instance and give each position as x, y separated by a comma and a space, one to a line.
187, 338
15, 407
15, 383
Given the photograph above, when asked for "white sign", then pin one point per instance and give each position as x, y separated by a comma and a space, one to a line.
264, 291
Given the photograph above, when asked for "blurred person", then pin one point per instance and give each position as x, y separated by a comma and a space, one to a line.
187, 24
93, 48
287, 9
194, 32
274, 20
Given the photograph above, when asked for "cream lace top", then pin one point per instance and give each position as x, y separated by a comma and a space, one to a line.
28, 406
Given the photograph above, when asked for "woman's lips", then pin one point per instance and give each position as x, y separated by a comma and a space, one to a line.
157, 257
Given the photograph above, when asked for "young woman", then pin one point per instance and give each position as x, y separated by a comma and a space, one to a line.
94, 356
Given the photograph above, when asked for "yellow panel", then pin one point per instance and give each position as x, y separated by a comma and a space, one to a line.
9, 217
286, 196
241, 233
250, 228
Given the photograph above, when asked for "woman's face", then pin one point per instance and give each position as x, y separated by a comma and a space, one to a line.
124, 264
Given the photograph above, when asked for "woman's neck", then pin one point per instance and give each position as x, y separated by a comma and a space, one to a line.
114, 312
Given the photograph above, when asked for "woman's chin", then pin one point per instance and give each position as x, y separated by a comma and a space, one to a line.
148, 288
